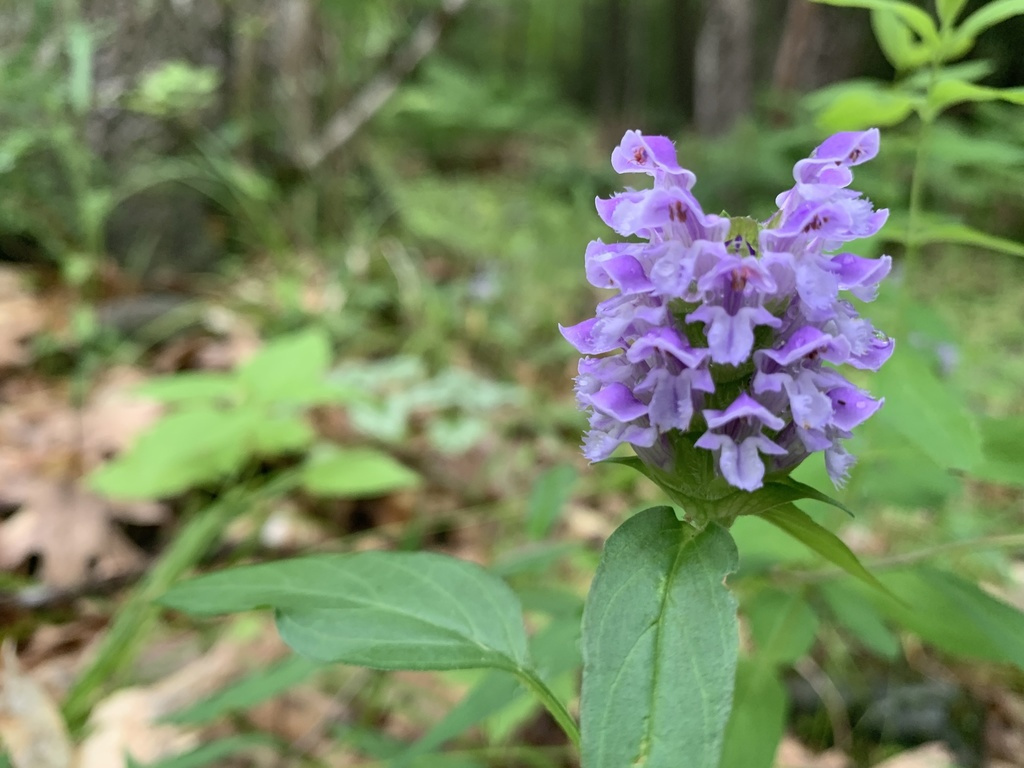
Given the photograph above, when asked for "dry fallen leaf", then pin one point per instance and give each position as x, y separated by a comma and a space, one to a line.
71, 532
932, 755
23, 317
45, 447
793, 754
31, 727
127, 722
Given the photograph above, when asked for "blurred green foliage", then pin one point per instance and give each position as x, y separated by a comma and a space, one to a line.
455, 224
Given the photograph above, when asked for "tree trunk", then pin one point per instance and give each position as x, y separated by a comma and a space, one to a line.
819, 45
723, 76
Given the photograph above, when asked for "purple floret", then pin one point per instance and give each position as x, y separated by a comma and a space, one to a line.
708, 301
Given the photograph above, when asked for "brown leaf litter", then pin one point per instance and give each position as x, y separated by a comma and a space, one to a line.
46, 448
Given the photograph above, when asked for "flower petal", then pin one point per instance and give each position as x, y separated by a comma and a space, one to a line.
731, 337
617, 400
743, 407
666, 340
852, 407
859, 275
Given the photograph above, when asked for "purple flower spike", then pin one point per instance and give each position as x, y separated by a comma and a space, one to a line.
724, 331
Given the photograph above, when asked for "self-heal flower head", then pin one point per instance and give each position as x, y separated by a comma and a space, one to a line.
727, 333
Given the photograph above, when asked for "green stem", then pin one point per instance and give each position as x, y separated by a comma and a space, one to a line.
1005, 541
916, 194
137, 615
915, 204
552, 703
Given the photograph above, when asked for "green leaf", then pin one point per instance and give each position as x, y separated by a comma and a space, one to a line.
775, 493
851, 108
386, 610
762, 549
758, 717
949, 10
290, 369
1003, 459
535, 556
213, 752
783, 626
335, 472
181, 451
894, 471
949, 92
961, 234
556, 649
549, 495
248, 692
282, 433
660, 638
797, 524
897, 41
860, 618
80, 55
927, 411
490, 696
192, 385
988, 16
709, 498
919, 21
976, 69
953, 614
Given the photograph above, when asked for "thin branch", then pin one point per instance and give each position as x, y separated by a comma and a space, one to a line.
375, 94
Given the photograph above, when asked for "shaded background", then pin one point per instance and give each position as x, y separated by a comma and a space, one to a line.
183, 182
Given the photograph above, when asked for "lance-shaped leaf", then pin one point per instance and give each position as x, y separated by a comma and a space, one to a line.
660, 640
388, 610
915, 18
758, 717
801, 527
987, 16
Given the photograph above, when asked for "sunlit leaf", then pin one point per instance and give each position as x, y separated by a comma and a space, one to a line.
897, 41
181, 451
988, 15
282, 433
290, 369
915, 18
660, 639
862, 106
946, 93
336, 472
80, 55
948, 10
192, 385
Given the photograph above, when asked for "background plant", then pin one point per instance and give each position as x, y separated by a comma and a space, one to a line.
426, 242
